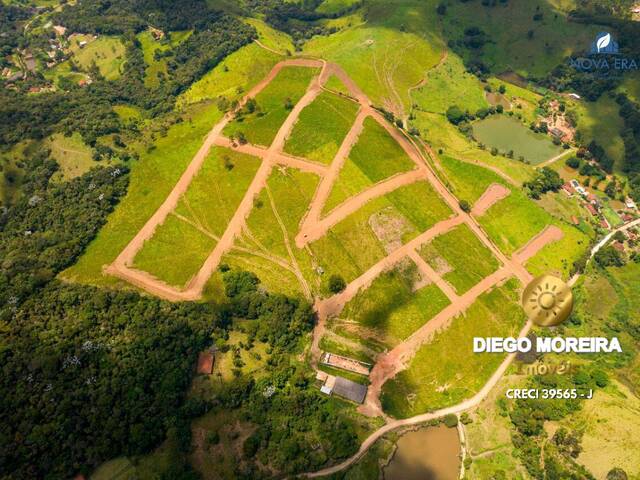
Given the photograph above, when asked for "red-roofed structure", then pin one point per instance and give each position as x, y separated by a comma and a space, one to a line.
618, 246
205, 363
591, 209
575, 220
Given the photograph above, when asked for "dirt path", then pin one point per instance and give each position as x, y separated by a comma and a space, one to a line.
550, 234
426, 270
493, 194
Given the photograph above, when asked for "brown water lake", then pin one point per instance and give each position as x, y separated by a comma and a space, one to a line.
430, 453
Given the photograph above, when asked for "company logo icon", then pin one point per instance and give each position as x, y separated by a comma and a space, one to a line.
604, 44
547, 301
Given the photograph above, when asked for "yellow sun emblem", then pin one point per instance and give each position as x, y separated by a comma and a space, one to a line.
547, 301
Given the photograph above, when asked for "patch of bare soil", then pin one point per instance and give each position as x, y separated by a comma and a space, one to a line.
388, 229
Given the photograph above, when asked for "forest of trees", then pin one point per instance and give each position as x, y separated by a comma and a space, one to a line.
89, 110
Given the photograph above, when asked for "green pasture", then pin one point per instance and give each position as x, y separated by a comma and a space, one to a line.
107, 52
232, 77
261, 127
506, 133
151, 180
291, 192
335, 6
445, 371
392, 309
467, 181
449, 84
334, 84
321, 128
441, 135
175, 253
557, 258
507, 25
272, 38
217, 189
600, 121
72, 154
467, 256
387, 54
375, 157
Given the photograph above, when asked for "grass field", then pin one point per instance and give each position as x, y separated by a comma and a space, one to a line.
506, 24
202, 214
390, 307
362, 239
375, 157
271, 38
217, 189
611, 431
236, 74
175, 253
488, 437
445, 371
164, 165
449, 84
601, 122
290, 191
321, 128
334, 84
383, 60
72, 154
107, 52
261, 127
468, 182
506, 133
468, 258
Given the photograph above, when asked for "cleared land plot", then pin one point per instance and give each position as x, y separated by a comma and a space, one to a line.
513, 221
336, 85
285, 199
359, 241
218, 189
204, 210
175, 253
164, 165
445, 371
321, 128
505, 133
273, 106
464, 254
375, 157
391, 308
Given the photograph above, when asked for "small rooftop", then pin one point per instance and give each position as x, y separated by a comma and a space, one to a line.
353, 391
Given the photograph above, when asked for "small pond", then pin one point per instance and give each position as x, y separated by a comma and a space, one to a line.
506, 133
431, 453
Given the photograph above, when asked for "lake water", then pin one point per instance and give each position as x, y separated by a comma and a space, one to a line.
427, 454
506, 133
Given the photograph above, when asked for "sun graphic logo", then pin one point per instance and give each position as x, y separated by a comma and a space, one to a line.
604, 43
547, 301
